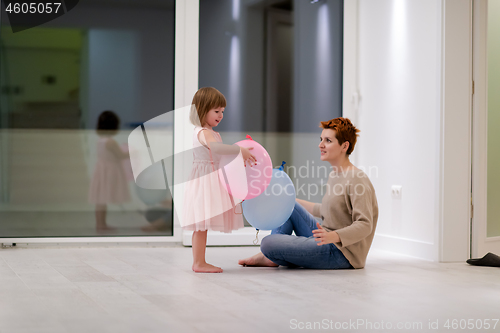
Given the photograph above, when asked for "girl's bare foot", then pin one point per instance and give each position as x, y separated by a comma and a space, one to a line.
258, 260
206, 268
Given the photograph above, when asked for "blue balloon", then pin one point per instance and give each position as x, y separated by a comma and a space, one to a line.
274, 206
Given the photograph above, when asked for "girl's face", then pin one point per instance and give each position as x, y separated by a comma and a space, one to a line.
214, 117
330, 148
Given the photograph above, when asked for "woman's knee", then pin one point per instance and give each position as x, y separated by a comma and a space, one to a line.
267, 244
297, 208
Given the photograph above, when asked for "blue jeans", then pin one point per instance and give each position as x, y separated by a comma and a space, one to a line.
282, 248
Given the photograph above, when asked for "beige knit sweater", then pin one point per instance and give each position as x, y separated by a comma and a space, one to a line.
350, 208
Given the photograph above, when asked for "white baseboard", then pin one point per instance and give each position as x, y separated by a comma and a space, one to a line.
405, 246
245, 236
176, 238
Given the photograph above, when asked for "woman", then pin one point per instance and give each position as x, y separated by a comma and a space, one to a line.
349, 213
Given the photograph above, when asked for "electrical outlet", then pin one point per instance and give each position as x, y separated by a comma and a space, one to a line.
396, 191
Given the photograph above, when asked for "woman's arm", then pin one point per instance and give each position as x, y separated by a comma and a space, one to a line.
309, 206
362, 218
321, 236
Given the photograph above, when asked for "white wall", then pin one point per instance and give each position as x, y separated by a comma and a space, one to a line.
399, 117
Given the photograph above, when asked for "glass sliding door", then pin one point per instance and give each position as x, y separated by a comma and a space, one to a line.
72, 90
279, 65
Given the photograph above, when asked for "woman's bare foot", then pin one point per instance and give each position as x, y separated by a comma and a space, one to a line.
206, 268
258, 260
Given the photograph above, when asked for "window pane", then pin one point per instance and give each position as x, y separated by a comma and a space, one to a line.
279, 64
59, 176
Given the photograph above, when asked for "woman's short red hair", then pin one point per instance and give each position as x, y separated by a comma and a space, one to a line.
344, 131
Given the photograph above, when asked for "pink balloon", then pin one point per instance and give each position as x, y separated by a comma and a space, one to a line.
246, 182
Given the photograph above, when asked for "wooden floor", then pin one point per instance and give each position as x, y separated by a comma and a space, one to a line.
152, 289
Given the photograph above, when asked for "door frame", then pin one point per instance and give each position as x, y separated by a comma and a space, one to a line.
480, 242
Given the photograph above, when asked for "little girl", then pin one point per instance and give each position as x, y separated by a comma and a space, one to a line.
109, 184
207, 205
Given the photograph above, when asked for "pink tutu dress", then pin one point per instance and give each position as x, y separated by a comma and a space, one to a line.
207, 204
109, 184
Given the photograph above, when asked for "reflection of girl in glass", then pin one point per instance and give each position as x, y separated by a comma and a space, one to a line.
109, 183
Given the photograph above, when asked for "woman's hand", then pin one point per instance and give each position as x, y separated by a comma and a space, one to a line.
322, 237
247, 156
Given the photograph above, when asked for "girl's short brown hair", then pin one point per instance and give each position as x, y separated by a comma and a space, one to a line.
206, 99
108, 123
344, 131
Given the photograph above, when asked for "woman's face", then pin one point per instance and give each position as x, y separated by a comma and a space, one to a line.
214, 117
329, 146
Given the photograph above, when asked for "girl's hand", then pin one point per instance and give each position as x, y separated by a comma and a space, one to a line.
322, 237
247, 156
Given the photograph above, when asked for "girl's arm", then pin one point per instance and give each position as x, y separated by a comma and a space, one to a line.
207, 139
112, 145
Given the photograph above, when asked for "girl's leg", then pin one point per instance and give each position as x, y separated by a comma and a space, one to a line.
100, 217
199, 247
